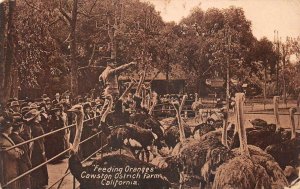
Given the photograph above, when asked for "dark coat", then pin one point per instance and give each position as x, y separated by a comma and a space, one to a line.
39, 176
55, 143
89, 129
10, 162
24, 162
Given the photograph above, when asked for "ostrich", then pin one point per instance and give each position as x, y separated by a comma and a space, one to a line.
176, 132
202, 129
287, 152
117, 161
128, 136
192, 155
251, 167
132, 137
263, 134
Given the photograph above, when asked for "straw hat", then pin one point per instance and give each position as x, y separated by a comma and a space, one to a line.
14, 103
31, 114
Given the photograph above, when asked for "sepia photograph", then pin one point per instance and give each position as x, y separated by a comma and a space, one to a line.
149, 94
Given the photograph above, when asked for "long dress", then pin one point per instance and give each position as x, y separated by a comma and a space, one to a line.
89, 129
55, 142
40, 175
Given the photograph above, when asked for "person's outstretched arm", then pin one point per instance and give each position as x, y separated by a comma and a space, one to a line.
123, 67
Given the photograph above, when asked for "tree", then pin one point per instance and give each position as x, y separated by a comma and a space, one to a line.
264, 56
7, 49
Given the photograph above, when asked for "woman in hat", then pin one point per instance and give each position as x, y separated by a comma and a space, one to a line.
57, 99
40, 175
24, 163
55, 142
89, 129
10, 158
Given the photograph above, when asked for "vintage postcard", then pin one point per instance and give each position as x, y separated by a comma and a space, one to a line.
149, 94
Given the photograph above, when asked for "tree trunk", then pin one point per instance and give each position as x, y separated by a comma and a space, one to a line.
15, 82
2, 51
73, 47
227, 85
9, 53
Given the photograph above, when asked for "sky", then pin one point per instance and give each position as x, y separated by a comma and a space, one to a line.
265, 15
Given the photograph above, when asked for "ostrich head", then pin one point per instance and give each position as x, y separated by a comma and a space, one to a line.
78, 110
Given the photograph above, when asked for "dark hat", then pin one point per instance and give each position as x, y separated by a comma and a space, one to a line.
18, 120
93, 103
12, 99
44, 96
86, 105
47, 99
25, 109
14, 103
5, 123
31, 114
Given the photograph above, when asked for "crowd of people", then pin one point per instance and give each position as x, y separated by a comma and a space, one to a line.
22, 120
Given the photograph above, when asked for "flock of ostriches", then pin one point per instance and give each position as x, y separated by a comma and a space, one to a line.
226, 156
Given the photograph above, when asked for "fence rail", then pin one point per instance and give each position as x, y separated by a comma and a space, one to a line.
46, 162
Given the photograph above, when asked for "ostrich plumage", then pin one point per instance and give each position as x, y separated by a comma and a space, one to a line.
132, 137
287, 152
259, 137
116, 160
172, 136
251, 167
147, 121
202, 129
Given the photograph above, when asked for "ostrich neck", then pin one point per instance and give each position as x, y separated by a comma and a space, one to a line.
138, 90
180, 126
224, 132
79, 126
152, 107
293, 126
276, 114
240, 124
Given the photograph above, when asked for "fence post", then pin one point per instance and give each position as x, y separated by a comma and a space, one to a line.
1, 167
74, 182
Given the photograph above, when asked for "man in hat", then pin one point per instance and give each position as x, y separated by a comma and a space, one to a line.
15, 106
24, 161
109, 79
57, 99
9, 158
